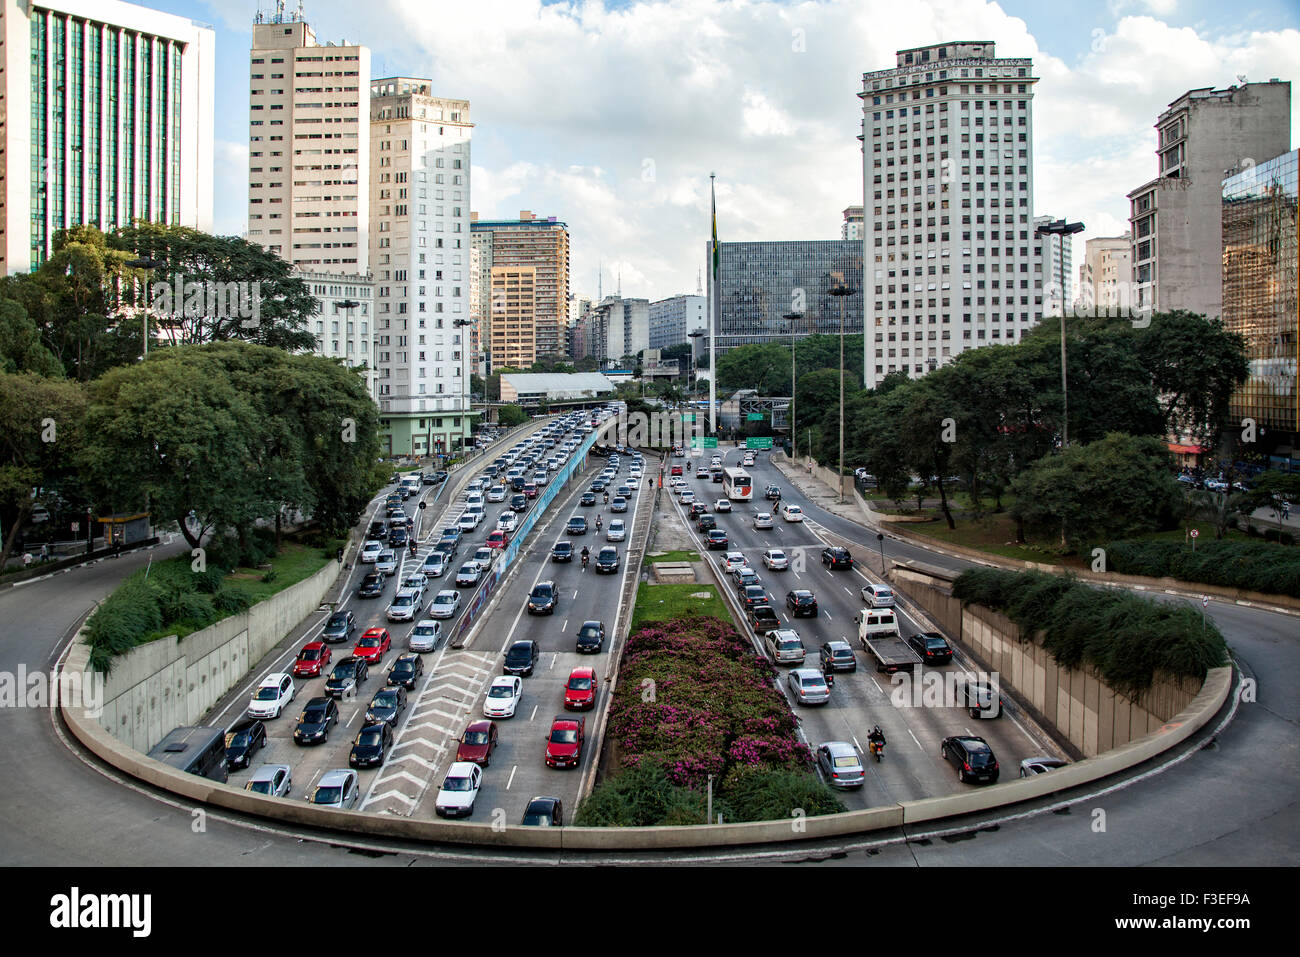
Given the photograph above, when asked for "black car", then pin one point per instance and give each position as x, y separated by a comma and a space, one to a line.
801, 603
521, 658
372, 586
837, 656
751, 595
763, 618
772, 493
707, 523
591, 636
517, 483
440, 476
577, 526
715, 476
371, 746
519, 503
386, 706
716, 538
588, 498
981, 700
607, 559
340, 626
932, 647
378, 530
836, 557
397, 538
542, 601
348, 675
562, 552
315, 720
972, 757
448, 546
406, 671
599, 486
244, 739
544, 812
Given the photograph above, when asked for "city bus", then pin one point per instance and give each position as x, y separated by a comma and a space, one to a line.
737, 485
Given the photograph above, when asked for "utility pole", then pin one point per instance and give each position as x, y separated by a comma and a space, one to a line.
1062, 229
790, 317
840, 291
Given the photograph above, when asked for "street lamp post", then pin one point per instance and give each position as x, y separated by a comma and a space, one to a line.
147, 265
460, 324
840, 291
1061, 228
791, 318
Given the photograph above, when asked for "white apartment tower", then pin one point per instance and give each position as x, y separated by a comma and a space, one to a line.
106, 116
420, 257
1056, 258
950, 261
308, 147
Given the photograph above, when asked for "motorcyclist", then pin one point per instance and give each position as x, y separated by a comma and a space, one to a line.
598, 523
412, 544
876, 737
606, 498
585, 555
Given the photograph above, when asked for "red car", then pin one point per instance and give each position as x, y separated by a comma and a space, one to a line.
564, 743
497, 539
314, 656
580, 690
676, 470
530, 490
374, 644
477, 743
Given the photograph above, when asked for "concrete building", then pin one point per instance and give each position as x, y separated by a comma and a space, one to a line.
419, 252
1261, 299
949, 256
851, 228
106, 116
308, 147
530, 388
1106, 273
543, 246
1056, 260
343, 331
617, 328
513, 318
674, 318
1175, 218
477, 312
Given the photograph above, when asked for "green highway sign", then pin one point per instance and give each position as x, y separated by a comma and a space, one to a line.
759, 442
704, 443
688, 416
754, 417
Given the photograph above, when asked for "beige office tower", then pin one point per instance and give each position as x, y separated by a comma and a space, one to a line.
308, 147
420, 258
1106, 273
543, 245
514, 316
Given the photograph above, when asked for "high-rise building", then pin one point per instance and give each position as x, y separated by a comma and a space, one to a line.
514, 317
1175, 218
419, 254
343, 324
616, 327
542, 245
675, 318
106, 116
1261, 300
950, 261
1106, 273
1056, 258
308, 147
851, 228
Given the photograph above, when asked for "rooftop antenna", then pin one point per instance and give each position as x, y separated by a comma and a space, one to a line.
699, 282
299, 15
600, 276
620, 282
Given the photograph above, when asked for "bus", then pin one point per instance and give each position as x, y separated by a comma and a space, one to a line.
200, 751
737, 485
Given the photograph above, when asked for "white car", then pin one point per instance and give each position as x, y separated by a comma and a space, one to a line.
503, 697
444, 604
497, 493
775, 560
434, 565
417, 581
425, 636
878, 596
732, 560
485, 557
459, 789
763, 520
370, 552
508, 521
403, 606
467, 522
722, 505
616, 531
386, 563
687, 497
272, 696
791, 513
274, 780
469, 574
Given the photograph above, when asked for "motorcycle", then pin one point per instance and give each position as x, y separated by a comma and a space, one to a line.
877, 748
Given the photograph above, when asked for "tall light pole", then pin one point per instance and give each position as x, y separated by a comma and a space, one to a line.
840, 291
461, 324
148, 265
792, 317
1062, 229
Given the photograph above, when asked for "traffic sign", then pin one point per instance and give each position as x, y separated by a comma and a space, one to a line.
754, 417
759, 442
704, 443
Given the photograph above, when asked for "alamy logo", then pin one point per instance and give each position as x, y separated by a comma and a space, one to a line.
212, 300
77, 910
33, 689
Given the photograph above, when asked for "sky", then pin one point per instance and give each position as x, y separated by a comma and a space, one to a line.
611, 115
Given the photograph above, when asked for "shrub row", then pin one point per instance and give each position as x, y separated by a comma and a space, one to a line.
1255, 566
1125, 638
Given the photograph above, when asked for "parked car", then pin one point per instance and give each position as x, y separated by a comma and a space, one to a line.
565, 740
272, 696
273, 780
784, 646
406, 671
932, 647
521, 658
837, 656
244, 738
808, 685
315, 721
840, 765
542, 600
836, 557
339, 627
337, 789
477, 743
371, 746
581, 689
314, 656
459, 790
503, 697
972, 757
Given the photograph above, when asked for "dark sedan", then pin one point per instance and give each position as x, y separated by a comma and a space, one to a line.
542, 600
371, 746
588, 498
387, 705
340, 626
372, 586
972, 757
562, 552
801, 603
346, 677
591, 636
607, 560
519, 503
406, 671
544, 812
315, 720
836, 557
521, 658
397, 538
932, 647
707, 523
244, 739
716, 539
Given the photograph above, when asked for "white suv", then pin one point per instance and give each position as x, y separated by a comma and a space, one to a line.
272, 696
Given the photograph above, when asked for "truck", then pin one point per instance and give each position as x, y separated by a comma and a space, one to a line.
878, 634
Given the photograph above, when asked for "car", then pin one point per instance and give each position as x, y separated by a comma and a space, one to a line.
371, 746
676, 470
272, 696
398, 538
339, 627
337, 789
445, 604
477, 743
715, 475
763, 618
616, 530
599, 485
404, 606
751, 595
980, 699
386, 706
448, 547
542, 600
581, 689
562, 551
577, 526
273, 780
348, 674
386, 563
503, 696
707, 523
315, 721
406, 671
697, 509
762, 520
370, 552
544, 812
530, 490
507, 521
607, 560
587, 499
519, 503
619, 504
772, 493
801, 603
373, 645
972, 757
565, 740
378, 530
745, 576
686, 497
468, 521
459, 790
701, 472
497, 493
497, 539
469, 575
878, 596
774, 559
425, 636
435, 563
244, 738
372, 585
591, 637
416, 581
836, 557
791, 513
840, 765
1032, 767
837, 656
808, 685
314, 656
716, 538
521, 658
451, 533
732, 561
784, 646
932, 647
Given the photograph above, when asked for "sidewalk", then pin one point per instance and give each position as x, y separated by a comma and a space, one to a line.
822, 495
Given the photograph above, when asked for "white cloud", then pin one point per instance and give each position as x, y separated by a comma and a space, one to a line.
230, 188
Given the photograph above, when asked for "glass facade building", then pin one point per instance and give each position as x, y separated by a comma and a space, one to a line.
1261, 269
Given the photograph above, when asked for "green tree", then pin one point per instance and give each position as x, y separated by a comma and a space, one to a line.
21, 349
764, 368
511, 415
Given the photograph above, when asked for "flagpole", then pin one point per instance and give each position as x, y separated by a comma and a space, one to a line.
713, 332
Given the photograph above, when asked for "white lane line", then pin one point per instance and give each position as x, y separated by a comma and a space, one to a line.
534, 714
512, 777
914, 738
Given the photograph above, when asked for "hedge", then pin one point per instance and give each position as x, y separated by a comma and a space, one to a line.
1254, 566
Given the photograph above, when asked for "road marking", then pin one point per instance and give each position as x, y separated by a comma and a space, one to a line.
512, 777
534, 714
857, 745
914, 738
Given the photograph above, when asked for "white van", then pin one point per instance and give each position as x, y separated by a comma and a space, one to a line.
877, 623
412, 484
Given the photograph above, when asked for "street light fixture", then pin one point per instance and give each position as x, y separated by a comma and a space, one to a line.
149, 265
792, 317
841, 290
1063, 229
460, 323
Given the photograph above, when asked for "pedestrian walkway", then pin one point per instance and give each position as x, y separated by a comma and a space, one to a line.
822, 495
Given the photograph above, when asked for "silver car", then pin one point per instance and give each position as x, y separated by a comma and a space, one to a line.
425, 635
785, 646
386, 563
616, 531
1032, 767
840, 765
273, 780
808, 685
763, 520
337, 789
775, 560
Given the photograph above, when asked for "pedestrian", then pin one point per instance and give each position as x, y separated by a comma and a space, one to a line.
27, 559
340, 556
1286, 511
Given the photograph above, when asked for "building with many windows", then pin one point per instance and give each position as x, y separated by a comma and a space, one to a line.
543, 246
1056, 259
949, 255
342, 324
851, 228
1106, 273
513, 317
673, 319
106, 116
